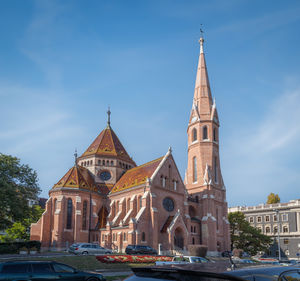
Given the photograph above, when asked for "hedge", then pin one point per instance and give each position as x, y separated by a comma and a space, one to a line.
132, 258
13, 247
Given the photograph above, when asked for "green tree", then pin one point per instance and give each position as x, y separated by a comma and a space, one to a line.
18, 185
20, 230
245, 237
273, 198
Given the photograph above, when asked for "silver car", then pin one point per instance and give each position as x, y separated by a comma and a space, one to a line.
88, 249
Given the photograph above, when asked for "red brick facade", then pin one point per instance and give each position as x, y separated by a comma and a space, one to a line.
107, 199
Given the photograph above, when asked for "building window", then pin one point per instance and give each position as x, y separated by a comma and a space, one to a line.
259, 228
91, 162
285, 229
103, 162
84, 215
275, 218
143, 236
124, 236
175, 185
192, 228
140, 202
194, 169
99, 162
285, 241
194, 134
163, 182
204, 135
268, 230
193, 240
215, 134
251, 219
69, 213
216, 169
267, 218
284, 217
111, 163
258, 219
55, 204
275, 229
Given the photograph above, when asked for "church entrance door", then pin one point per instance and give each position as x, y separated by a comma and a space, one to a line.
178, 238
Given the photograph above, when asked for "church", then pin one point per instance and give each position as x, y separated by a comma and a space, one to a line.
106, 198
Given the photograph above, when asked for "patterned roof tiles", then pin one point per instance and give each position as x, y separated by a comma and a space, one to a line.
108, 144
136, 176
77, 177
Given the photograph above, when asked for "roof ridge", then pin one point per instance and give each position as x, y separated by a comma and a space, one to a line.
147, 163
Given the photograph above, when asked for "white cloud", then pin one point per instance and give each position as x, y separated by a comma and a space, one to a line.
266, 158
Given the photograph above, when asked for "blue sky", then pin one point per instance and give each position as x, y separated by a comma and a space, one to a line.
63, 62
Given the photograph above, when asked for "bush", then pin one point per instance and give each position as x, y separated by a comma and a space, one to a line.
197, 250
14, 247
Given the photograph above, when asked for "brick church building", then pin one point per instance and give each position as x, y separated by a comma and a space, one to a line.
107, 199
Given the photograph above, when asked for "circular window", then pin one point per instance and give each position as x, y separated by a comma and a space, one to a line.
105, 175
168, 204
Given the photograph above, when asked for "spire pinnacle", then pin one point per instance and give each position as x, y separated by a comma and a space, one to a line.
75, 155
201, 40
108, 117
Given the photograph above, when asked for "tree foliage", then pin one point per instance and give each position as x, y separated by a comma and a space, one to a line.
273, 198
246, 237
18, 185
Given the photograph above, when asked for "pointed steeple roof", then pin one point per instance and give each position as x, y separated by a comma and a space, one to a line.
202, 94
77, 177
108, 144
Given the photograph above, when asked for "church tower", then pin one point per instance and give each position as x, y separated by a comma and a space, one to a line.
204, 180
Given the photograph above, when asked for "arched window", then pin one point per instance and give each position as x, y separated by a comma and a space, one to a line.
268, 230
275, 229
55, 204
285, 229
69, 213
99, 162
107, 162
204, 133
103, 162
191, 228
215, 134
91, 162
163, 182
124, 237
143, 236
111, 163
84, 215
140, 202
216, 169
194, 134
193, 240
194, 229
217, 218
175, 185
194, 169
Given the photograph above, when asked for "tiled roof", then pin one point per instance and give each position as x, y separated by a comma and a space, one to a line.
77, 177
136, 176
108, 144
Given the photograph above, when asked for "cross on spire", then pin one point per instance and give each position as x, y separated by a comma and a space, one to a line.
75, 155
201, 40
108, 117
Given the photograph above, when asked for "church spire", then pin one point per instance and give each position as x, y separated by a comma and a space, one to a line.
202, 94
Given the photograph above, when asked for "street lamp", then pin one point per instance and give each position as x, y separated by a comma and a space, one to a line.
278, 236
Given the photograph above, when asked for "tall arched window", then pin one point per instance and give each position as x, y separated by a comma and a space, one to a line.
194, 169
216, 168
215, 134
194, 134
69, 213
140, 202
55, 204
84, 215
143, 236
205, 135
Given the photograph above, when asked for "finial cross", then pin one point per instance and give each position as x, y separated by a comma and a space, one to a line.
75, 155
108, 116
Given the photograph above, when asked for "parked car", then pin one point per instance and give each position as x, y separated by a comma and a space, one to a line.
44, 270
140, 249
183, 260
88, 249
215, 272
